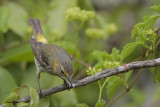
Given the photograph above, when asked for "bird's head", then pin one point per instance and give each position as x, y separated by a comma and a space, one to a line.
62, 66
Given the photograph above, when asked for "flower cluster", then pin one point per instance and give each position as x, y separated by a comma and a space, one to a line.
92, 71
95, 33
111, 28
102, 65
111, 64
76, 13
149, 32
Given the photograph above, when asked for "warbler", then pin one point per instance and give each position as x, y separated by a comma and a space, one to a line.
49, 58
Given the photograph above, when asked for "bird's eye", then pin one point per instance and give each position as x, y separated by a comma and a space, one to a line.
62, 72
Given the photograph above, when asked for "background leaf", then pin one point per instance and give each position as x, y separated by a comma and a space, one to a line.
44, 102
114, 83
17, 21
4, 14
156, 8
129, 48
7, 83
82, 105
19, 53
12, 96
150, 22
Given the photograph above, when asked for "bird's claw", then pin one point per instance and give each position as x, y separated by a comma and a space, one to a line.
41, 95
69, 86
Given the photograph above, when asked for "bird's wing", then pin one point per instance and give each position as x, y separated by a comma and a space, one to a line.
54, 50
38, 52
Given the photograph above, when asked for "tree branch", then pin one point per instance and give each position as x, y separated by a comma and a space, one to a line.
104, 74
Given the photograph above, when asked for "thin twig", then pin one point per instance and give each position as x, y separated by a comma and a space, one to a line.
19, 92
121, 94
127, 89
80, 62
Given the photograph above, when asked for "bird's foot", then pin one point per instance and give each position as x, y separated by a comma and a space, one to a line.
68, 85
41, 95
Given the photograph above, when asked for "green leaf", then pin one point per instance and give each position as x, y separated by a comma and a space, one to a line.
34, 100
34, 97
100, 65
156, 74
129, 48
13, 96
136, 27
100, 55
156, 8
147, 24
100, 103
19, 53
142, 35
82, 105
150, 22
17, 21
22, 104
129, 73
44, 102
114, 83
156, 70
4, 14
7, 83
115, 55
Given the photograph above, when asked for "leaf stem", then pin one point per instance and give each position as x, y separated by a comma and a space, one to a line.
101, 89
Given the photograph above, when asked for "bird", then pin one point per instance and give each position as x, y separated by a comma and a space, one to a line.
49, 58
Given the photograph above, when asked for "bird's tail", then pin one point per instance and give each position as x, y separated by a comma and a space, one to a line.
37, 30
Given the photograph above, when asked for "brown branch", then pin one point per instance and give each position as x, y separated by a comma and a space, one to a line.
104, 74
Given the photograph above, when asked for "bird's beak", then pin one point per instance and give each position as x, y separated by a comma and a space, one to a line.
70, 80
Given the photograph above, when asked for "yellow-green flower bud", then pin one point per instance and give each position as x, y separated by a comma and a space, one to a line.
77, 14
92, 71
106, 65
111, 28
149, 32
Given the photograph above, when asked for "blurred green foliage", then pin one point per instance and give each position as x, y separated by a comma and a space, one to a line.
84, 31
